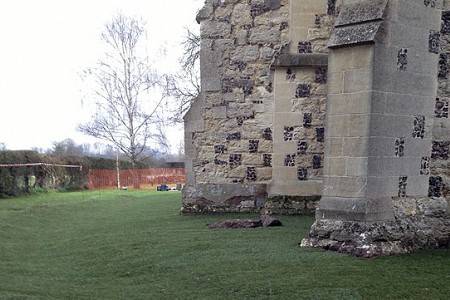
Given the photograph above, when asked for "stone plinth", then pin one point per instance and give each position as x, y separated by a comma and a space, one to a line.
380, 110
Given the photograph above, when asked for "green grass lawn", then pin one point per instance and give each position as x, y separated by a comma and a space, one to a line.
135, 245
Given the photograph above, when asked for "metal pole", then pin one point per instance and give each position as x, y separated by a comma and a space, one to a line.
118, 170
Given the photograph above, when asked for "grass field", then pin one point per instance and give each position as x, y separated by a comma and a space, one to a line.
135, 245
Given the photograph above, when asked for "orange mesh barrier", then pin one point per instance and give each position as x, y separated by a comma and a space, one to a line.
142, 178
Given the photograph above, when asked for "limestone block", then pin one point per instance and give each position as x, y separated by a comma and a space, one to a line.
394, 166
224, 44
421, 62
238, 146
338, 104
417, 147
237, 172
417, 186
263, 20
241, 37
213, 99
262, 121
339, 60
241, 15
408, 13
302, 19
219, 112
300, 33
209, 71
317, 34
284, 93
264, 174
204, 13
335, 166
309, 105
359, 125
358, 80
310, 6
407, 38
407, 104
249, 53
252, 159
382, 146
240, 110
334, 146
378, 102
359, 102
357, 166
309, 134
391, 125
355, 146
284, 173
335, 82
264, 34
382, 186
214, 29
319, 89
362, 57
266, 53
265, 146
339, 125
233, 97
288, 119
284, 147
345, 186
295, 188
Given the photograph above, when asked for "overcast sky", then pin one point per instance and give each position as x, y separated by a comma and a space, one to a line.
45, 46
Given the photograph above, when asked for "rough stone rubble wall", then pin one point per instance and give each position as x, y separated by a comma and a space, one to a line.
239, 41
238, 137
255, 133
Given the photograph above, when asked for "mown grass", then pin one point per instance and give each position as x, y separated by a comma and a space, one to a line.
135, 245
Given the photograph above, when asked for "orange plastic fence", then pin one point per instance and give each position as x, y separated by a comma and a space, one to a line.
146, 178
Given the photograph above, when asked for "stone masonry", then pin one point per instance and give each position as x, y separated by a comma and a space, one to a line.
340, 100
258, 125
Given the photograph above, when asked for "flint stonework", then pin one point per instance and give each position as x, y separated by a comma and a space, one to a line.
332, 107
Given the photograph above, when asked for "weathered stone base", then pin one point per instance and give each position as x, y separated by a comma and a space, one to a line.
224, 198
291, 205
419, 224
243, 198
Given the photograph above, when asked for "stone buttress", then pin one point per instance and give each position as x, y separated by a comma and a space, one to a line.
340, 100
380, 113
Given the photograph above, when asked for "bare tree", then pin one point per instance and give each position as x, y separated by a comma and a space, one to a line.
122, 87
184, 86
68, 147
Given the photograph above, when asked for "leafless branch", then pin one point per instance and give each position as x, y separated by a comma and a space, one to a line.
120, 87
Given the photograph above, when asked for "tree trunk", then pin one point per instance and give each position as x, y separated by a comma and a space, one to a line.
135, 175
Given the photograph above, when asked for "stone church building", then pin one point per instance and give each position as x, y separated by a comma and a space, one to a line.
338, 107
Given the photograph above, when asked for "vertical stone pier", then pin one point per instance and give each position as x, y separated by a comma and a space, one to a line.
380, 110
345, 101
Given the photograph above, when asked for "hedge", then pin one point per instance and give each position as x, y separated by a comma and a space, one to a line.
15, 181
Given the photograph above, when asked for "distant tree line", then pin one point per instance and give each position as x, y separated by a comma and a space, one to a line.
20, 180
